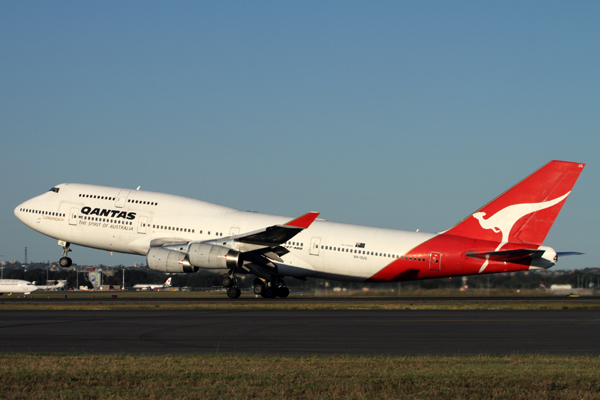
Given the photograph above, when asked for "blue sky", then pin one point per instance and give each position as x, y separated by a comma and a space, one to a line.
407, 115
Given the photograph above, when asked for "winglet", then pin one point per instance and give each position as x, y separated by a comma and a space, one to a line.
304, 221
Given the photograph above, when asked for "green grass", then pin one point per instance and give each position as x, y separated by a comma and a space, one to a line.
220, 294
45, 376
294, 303
217, 300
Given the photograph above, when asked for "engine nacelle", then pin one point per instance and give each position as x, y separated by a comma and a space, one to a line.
546, 260
165, 260
211, 256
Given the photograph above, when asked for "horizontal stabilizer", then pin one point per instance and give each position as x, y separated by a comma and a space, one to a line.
568, 253
507, 255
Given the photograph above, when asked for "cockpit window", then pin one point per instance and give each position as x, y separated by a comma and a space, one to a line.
54, 189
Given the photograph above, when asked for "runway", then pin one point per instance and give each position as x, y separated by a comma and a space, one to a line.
62, 298
302, 332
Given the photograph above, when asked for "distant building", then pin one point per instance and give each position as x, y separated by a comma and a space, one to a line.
561, 289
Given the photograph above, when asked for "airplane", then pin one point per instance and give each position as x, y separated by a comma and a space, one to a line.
183, 235
11, 286
152, 286
58, 286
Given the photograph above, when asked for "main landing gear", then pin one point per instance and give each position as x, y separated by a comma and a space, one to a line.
230, 282
65, 262
271, 289
267, 289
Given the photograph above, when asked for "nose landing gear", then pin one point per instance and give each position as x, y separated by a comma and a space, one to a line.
65, 262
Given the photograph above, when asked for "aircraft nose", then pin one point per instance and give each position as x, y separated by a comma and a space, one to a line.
18, 210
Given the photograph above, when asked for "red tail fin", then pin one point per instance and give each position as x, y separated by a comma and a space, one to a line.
524, 213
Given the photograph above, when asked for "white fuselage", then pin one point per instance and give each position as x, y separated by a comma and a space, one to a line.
127, 221
16, 286
60, 285
149, 286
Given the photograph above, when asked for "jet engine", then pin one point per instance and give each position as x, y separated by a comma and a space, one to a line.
165, 260
211, 256
199, 255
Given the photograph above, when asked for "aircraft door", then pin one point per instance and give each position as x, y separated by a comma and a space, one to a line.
234, 231
122, 198
435, 261
315, 243
73, 216
142, 224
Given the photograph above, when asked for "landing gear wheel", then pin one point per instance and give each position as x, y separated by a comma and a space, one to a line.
268, 293
65, 262
227, 282
283, 292
233, 292
259, 288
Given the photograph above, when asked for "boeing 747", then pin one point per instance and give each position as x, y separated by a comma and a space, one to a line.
182, 235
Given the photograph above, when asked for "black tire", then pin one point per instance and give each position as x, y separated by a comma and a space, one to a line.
259, 288
283, 292
233, 292
65, 262
268, 293
227, 282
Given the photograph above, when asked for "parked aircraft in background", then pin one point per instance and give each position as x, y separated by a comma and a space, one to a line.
152, 286
11, 286
58, 286
183, 235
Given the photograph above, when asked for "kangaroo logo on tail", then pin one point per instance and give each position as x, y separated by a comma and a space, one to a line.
504, 220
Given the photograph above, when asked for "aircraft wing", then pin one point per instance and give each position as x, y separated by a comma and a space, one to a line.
164, 242
257, 250
270, 237
276, 234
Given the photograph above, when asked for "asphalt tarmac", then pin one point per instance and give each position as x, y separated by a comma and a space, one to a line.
303, 332
251, 299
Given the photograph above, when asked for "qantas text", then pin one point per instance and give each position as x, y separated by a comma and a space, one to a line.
107, 213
